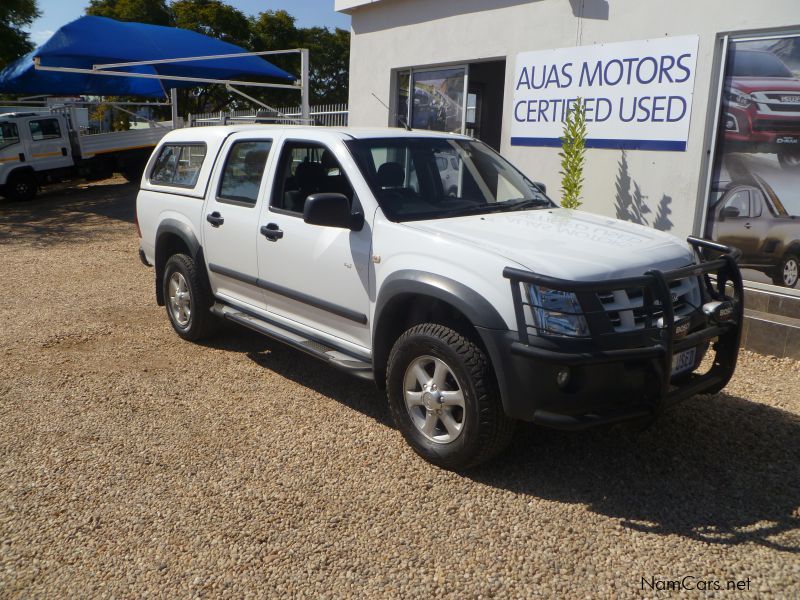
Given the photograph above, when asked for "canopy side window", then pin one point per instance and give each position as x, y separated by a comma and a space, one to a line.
178, 165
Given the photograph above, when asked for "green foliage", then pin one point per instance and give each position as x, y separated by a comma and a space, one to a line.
15, 16
155, 12
329, 52
573, 156
212, 18
273, 30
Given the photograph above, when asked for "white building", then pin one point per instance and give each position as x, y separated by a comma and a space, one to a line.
486, 67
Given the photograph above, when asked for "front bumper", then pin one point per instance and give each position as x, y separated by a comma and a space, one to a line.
760, 130
613, 375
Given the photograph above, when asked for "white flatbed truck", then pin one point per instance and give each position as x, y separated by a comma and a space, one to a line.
45, 146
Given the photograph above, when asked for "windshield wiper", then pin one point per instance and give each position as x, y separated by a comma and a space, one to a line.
524, 203
505, 206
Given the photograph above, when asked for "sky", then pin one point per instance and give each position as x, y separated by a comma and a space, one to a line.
309, 13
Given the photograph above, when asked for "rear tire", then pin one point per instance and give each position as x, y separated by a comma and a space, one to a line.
132, 172
787, 272
21, 186
443, 398
187, 300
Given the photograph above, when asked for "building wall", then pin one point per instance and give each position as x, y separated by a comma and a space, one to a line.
392, 34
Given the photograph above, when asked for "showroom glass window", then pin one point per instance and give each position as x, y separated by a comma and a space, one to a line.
431, 99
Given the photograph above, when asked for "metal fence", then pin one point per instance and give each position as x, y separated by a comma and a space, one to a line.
326, 115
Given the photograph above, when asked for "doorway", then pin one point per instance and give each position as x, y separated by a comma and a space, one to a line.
484, 110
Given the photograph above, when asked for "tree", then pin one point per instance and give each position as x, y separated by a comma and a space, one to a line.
212, 18
274, 30
15, 15
573, 156
329, 54
155, 12
330, 63
217, 20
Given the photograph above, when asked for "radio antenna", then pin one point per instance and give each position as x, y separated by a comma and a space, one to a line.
402, 120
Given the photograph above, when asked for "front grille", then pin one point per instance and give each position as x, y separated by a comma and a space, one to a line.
626, 308
776, 125
776, 101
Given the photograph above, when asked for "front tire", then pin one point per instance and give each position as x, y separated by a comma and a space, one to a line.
21, 186
186, 299
787, 272
443, 398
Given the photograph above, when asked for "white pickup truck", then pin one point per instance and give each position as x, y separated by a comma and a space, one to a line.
475, 304
39, 147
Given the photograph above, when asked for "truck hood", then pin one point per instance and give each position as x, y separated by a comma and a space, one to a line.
748, 85
565, 243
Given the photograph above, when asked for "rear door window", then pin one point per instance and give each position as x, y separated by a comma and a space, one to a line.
178, 165
9, 135
44, 129
244, 169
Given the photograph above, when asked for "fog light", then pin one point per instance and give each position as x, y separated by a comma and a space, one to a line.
562, 377
718, 311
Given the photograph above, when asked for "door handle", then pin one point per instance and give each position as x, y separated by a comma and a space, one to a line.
215, 219
272, 232
747, 226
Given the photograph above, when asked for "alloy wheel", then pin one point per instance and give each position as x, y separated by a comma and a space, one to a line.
180, 299
434, 399
791, 269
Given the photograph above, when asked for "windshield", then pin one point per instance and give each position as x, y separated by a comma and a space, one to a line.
757, 64
432, 178
8, 135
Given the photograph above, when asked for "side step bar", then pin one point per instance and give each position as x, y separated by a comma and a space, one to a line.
336, 358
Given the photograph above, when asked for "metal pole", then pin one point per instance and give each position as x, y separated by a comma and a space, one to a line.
230, 88
305, 108
173, 95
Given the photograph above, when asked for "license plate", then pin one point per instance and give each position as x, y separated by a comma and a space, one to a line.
790, 99
683, 361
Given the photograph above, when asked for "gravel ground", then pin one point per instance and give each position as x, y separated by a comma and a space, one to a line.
136, 464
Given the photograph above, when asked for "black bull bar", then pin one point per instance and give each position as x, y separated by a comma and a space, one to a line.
658, 341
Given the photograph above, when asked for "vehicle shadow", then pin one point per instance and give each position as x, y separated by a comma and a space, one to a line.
62, 213
306, 371
720, 469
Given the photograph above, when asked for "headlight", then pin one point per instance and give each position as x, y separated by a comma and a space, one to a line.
738, 98
557, 313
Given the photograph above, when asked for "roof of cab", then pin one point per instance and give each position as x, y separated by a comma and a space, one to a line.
220, 132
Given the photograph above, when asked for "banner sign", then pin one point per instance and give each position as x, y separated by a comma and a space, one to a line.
638, 95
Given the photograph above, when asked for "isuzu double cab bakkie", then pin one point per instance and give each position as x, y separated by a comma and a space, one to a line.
475, 304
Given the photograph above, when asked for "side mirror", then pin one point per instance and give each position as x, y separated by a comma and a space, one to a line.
729, 212
541, 186
331, 210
